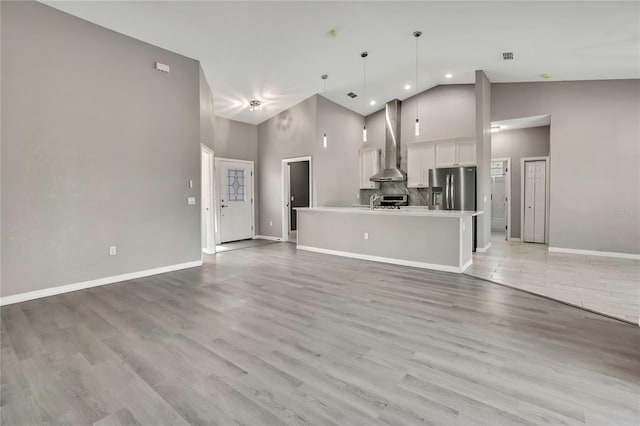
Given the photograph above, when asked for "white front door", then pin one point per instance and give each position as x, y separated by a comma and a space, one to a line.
236, 200
535, 201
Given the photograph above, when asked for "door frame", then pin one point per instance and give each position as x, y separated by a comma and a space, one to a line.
218, 192
507, 191
286, 191
547, 179
211, 238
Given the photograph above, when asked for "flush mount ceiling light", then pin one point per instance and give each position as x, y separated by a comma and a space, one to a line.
417, 35
255, 105
495, 129
373, 102
449, 75
324, 93
364, 55
407, 86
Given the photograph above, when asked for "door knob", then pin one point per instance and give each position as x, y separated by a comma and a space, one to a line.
223, 206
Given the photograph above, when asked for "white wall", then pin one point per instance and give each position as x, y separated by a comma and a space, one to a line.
595, 153
483, 158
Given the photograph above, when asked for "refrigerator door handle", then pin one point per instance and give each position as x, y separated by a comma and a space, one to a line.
453, 193
446, 192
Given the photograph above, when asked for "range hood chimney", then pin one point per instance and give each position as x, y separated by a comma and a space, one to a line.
391, 172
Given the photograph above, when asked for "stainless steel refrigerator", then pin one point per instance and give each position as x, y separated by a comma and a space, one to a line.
452, 188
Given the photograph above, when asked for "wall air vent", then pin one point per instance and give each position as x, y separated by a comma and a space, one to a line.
507, 56
351, 95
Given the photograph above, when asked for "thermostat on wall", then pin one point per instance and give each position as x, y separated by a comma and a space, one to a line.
162, 67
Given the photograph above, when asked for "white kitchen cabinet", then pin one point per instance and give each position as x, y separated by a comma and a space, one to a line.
445, 154
466, 153
369, 166
456, 153
420, 158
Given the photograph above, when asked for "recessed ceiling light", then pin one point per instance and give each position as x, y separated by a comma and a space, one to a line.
545, 75
372, 102
407, 86
495, 129
448, 75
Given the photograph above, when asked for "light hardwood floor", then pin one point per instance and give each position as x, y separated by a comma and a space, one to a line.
271, 336
601, 284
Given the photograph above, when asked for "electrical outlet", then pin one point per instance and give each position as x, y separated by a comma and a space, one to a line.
191, 200
270, 223
112, 251
366, 235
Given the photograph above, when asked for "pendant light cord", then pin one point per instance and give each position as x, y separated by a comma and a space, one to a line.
417, 85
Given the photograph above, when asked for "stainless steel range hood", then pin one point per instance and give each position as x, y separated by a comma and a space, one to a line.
391, 172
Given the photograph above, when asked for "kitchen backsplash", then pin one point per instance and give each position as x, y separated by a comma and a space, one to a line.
417, 196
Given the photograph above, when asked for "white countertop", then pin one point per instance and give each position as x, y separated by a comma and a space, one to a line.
404, 211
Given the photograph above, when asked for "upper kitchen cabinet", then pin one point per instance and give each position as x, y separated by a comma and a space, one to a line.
456, 153
369, 166
420, 158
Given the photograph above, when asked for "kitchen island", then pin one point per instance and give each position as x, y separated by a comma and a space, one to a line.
411, 236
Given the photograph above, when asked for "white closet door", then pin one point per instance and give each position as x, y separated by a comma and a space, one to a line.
535, 196
540, 207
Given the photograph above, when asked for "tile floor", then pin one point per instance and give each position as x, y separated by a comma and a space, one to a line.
602, 284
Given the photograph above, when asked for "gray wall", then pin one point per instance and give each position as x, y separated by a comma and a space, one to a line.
97, 150
234, 139
483, 158
297, 132
594, 157
445, 112
517, 144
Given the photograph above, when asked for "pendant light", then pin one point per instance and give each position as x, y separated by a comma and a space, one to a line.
417, 35
324, 93
364, 55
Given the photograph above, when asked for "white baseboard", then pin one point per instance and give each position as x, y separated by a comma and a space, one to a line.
595, 253
267, 237
52, 291
483, 249
402, 262
466, 265
205, 251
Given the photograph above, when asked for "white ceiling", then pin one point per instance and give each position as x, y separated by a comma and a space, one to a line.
523, 122
277, 51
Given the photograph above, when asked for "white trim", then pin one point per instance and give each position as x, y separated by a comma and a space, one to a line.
466, 265
267, 237
547, 195
595, 253
218, 192
508, 194
208, 249
285, 192
484, 249
401, 262
52, 291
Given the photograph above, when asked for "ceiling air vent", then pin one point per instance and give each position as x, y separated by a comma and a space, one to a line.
507, 56
351, 95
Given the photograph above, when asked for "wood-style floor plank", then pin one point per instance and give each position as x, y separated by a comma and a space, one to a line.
268, 335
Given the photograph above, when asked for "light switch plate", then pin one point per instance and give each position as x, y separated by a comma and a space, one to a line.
191, 200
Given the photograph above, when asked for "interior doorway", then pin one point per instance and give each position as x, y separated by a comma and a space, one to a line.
501, 196
296, 173
207, 216
535, 199
234, 203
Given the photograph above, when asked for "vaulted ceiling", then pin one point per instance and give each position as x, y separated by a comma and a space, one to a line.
277, 51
